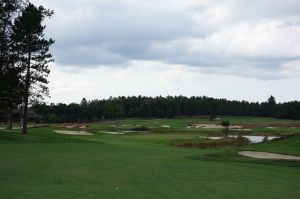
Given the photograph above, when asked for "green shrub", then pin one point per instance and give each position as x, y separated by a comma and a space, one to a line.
225, 123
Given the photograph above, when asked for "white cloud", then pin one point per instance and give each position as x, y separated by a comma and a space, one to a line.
231, 48
262, 46
152, 78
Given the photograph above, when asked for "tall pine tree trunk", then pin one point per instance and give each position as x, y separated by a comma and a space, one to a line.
27, 85
9, 119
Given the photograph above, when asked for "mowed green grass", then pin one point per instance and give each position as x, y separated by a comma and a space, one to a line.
290, 146
44, 164
257, 125
180, 123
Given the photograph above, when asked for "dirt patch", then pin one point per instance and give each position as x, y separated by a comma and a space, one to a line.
267, 155
73, 132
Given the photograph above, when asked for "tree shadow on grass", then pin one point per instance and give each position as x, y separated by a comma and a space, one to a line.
40, 135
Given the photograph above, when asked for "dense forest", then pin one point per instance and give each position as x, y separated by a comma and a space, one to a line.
163, 107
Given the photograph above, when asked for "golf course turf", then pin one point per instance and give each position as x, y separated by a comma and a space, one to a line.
45, 164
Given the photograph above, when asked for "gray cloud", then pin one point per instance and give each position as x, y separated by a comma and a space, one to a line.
234, 36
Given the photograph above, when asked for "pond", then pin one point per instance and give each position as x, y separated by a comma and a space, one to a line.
256, 138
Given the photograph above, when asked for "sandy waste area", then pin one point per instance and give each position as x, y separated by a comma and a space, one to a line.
73, 132
267, 155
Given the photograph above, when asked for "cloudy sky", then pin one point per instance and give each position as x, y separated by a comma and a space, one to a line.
234, 49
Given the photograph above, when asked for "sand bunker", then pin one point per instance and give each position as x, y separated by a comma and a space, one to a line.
71, 126
73, 132
165, 126
243, 129
112, 132
212, 126
266, 155
206, 126
215, 138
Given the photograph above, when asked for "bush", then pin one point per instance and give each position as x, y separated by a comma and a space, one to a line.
241, 141
225, 123
266, 139
226, 129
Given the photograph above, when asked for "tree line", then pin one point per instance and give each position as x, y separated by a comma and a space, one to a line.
163, 107
24, 56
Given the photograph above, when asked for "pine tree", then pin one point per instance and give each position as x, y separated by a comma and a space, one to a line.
10, 85
33, 51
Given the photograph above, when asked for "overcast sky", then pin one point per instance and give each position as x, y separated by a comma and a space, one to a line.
234, 49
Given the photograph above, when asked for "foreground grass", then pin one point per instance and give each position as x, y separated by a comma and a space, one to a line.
44, 164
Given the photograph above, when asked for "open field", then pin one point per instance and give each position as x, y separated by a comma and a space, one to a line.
45, 164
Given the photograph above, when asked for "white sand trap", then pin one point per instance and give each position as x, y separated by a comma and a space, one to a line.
206, 126
213, 126
5, 128
215, 138
165, 126
73, 132
112, 132
18, 127
266, 155
242, 129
